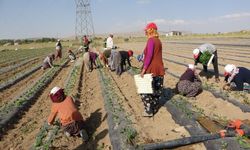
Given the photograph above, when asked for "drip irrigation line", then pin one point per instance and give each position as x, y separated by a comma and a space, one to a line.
12, 67
219, 94
9, 112
182, 64
231, 45
19, 77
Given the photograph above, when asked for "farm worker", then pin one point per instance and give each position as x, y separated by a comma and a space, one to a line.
109, 42
86, 43
48, 62
125, 55
104, 57
58, 43
153, 64
92, 57
72, 56
58, 52
203, 54
114, 59
238, 76
86, 60
70, 118
190, 84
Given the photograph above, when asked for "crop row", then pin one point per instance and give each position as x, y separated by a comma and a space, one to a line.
9, 112
218, 93
47, 133
218, 44
18, 78
121, 131
186, 114
10, 55
12, 67
218, 57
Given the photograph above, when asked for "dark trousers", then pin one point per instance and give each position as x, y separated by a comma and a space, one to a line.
151, 101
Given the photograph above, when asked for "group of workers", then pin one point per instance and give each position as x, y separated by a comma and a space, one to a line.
48, 61
189, 84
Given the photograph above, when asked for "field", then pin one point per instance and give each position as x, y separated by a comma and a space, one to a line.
109, 103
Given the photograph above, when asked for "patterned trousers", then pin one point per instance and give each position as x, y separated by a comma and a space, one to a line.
151, 101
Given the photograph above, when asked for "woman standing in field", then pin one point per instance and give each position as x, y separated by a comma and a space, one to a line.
153, 64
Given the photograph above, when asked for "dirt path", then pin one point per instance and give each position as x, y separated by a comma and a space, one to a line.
159, 128
91, 106
22, 135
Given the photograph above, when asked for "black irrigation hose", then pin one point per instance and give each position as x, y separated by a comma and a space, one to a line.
44, 132
235, 45
182, 64
191, 58
181, 118
11, 82
183, 141
115, 129
218, 94
10, 116
190, 125
12, 67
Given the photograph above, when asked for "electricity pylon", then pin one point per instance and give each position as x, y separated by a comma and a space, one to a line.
84, 21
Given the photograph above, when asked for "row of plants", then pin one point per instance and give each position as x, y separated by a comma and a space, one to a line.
223, 65
8, 63
10, 111
47, 134
12, 55
27, 41
217, 44
15, 66
221, 93
185, 113
182, 115
122, 134
18, 77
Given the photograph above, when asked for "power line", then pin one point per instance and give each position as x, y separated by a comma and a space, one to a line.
84, 22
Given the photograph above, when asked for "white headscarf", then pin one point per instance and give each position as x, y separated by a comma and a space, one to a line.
231, 70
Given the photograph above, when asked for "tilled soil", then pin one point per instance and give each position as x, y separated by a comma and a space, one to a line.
161, 127
23, 134
14, 91
91, 106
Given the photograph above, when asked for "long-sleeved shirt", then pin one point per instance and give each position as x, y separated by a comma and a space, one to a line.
188, 75
66, 111
152, 62
242, 77
109, 42
48, 60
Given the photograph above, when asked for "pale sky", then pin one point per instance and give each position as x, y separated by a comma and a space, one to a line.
56, 18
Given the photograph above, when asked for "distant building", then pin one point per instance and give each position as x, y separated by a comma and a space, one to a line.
175, 33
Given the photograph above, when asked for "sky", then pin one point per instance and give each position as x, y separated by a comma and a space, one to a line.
56, 18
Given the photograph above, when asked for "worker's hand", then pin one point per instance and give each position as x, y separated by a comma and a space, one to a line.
217, 80
143, 72
226, 87
49, 124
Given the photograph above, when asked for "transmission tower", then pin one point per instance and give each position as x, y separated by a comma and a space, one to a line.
84, 22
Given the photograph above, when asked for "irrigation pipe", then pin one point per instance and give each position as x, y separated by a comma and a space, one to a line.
19, 77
